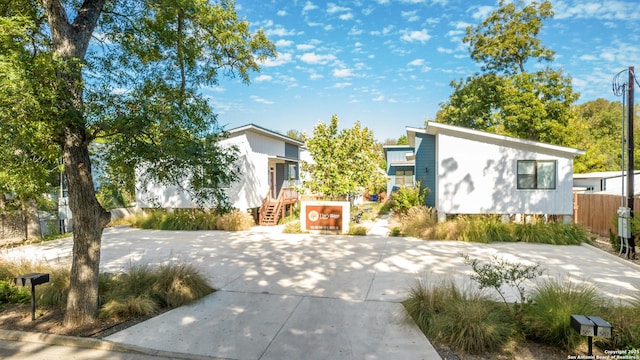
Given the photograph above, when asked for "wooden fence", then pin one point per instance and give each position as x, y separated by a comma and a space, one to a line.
597, 212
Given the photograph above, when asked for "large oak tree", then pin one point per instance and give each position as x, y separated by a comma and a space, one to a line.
506, 97
127, 73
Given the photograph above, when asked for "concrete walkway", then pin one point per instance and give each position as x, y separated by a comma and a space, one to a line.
293, 296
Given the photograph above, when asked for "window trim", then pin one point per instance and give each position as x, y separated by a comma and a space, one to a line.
537, 165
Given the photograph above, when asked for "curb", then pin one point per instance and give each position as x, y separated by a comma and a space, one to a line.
97, 344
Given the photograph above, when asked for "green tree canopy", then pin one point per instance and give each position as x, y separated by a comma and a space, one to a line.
506, 98
130, 74
344, 162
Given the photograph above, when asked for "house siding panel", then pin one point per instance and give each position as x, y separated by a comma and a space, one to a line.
425, 172
392, 155
265, 145
291, 151
478, 178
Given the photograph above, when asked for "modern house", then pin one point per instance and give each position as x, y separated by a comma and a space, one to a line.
607, 182
475, 172
269, 168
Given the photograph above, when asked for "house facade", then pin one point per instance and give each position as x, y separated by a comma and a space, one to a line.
475, 172
269, 168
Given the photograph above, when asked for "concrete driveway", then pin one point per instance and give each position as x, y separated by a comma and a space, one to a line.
293, 296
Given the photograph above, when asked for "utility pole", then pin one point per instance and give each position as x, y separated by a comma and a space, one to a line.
630, 147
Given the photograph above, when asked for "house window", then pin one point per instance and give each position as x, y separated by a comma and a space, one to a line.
404, 177
537, 174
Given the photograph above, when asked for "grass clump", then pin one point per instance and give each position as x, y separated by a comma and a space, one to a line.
463, 320
357, 230
626, 327
128, 307
547, 319
235, 220
178, 219
484, 229
417, 222
293, 227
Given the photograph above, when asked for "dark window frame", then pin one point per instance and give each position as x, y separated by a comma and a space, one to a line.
531, 180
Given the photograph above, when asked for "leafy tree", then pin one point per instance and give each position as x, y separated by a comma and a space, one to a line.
127, 73
598, 130
505, 98
295, 134
403, 140
344, 161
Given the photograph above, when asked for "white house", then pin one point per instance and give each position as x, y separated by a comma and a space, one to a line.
475, 172
269, 168
606, 182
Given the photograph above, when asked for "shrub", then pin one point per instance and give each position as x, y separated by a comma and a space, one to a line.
357, 230
235, 221
293, 227
179, 284
10, 293
128, 307
464, 321
396, 231
500, 272
484, 229
547, 319
417, 221
179, 219
626, 327
407, 197
55, 292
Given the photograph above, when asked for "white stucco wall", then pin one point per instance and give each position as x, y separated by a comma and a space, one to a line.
478, 178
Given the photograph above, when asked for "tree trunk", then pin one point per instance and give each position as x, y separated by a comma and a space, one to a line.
70, 42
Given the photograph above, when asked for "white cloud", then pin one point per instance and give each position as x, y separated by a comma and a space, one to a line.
308, 7
282, 59
416, 62
315, 76
347, 16
263, 78
604, 10
313, 58
282, 12
283, 43
480, 12
342, 73
413, 36
410, 16
355, 31
378, 98
305, 47
342, 85
279, 31
440, 49
328, 27
588, 58
261, 100
333, 8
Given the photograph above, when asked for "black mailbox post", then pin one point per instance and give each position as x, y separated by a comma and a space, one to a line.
32, 280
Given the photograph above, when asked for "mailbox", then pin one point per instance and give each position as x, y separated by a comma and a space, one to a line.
603, 328
32, 280
582, 325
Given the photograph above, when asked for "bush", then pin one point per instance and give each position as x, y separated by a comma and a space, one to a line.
484, 229
179, 284
407, 197
179, 219
547, 319
128, 307
357, 230
464, 321
417, 221
10, 293
293, 227
235, 221
626, 327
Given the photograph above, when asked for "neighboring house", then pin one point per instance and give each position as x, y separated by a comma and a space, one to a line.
269, 168
608, 182
475, 172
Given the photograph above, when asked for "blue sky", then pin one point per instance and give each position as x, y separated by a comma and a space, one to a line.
389, 63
